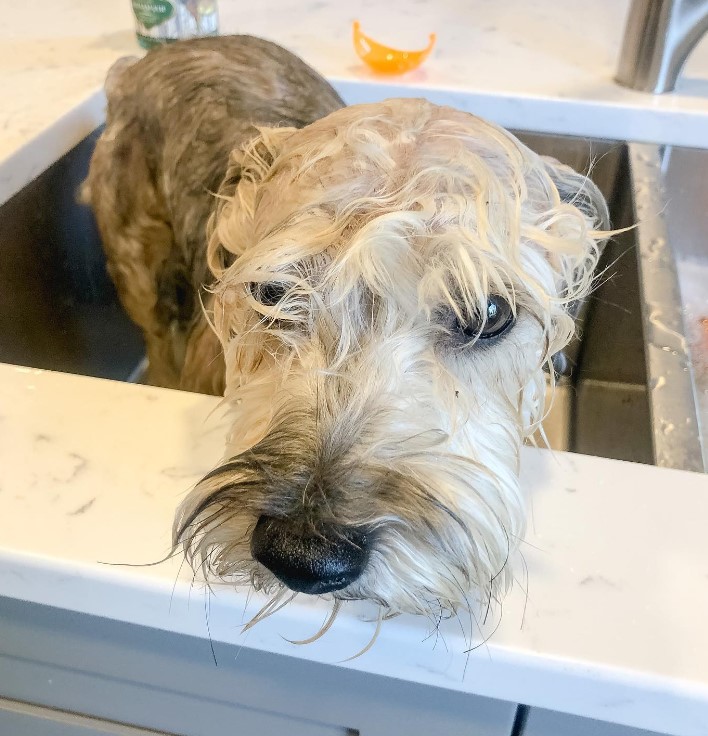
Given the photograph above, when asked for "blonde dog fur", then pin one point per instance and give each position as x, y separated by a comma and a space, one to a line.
385, 226
378, 295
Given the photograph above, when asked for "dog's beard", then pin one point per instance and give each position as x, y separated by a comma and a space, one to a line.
429, 555
443, 506
335, 258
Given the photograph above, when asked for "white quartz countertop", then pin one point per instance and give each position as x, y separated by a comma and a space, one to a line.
608, 621
614, 623
538, 65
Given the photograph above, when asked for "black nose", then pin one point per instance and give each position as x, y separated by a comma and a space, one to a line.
321, 560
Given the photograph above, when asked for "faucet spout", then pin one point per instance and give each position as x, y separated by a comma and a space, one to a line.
658, 37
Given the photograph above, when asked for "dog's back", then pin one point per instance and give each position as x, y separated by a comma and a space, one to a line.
173, 118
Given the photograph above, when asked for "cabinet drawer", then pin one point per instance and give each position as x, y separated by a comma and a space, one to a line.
33, 720
171, 683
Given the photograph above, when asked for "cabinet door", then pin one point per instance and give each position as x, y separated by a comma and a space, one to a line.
31, 720
550, 723
171, 683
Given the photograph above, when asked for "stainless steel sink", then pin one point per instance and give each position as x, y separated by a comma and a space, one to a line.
602, 408
59, 310
671, 194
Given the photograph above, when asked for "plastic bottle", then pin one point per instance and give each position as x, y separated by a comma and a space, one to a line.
164, 21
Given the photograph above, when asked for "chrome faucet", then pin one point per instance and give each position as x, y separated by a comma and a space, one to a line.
658, 37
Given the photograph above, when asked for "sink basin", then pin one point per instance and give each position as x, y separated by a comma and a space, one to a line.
59, 310
58, 307
602, 408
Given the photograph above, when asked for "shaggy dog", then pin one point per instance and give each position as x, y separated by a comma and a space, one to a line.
378, 295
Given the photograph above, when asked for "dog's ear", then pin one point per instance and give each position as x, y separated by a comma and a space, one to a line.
249, 166
580, 191
254, 160
577, 269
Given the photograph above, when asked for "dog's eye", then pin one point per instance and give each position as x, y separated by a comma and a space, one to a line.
268, 293
498, 319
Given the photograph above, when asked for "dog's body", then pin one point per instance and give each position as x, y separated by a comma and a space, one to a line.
173, 118
385, 286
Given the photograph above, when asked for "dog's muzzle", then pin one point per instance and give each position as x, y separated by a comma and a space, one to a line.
321, 560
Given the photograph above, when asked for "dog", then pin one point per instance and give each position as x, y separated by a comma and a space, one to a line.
376, 289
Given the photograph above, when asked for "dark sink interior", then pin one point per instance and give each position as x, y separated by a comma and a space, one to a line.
58, 307
59, 310
603, 407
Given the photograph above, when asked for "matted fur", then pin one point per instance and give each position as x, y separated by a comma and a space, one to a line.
172, 119
354, 399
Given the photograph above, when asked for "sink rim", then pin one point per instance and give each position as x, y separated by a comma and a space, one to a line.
675, 422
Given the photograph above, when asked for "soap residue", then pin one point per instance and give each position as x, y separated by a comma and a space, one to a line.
693, 278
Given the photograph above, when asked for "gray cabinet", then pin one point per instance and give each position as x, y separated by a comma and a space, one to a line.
64, 673
22, 719
542, 722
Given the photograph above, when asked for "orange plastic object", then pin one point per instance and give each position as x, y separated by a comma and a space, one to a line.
386, 60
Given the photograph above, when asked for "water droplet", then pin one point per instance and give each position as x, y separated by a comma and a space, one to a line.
657, 383
656, 246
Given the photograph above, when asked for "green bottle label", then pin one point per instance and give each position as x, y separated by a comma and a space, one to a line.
151, 13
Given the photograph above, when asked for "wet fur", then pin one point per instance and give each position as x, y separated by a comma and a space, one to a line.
172, 120
354, 401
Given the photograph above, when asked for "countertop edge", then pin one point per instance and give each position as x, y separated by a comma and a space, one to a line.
566, 116
604, 693
45, 149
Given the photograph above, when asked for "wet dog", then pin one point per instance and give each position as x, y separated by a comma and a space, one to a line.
377, 292
172, 120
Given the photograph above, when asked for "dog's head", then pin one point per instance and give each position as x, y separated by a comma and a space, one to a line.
390, 283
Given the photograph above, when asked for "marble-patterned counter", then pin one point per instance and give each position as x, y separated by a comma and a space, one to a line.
607, 619
541, 66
